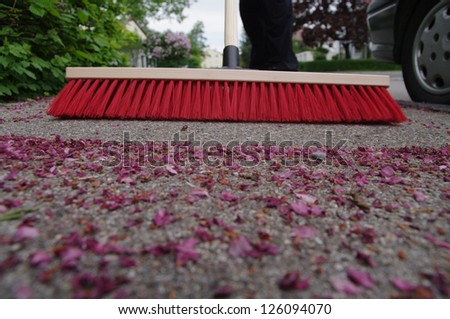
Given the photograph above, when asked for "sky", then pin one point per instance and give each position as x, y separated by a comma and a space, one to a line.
210, 12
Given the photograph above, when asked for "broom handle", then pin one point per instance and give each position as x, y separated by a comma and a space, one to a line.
231, 50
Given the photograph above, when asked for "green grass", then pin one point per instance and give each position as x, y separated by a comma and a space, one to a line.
348, 65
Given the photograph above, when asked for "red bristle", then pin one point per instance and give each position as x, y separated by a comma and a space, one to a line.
101, 102
244, 96
126, 100
137, 100
352, 106
373, 107
206, 98
341, 103
85, 101
261, 107
114, 107
164, 109
177, 100
272, 110
216, 112
234, 102
92, 105
385, 115
217, 100
186, 100
392, 105
77, 97
146, 103
323, 114
195, 108
313, 105
285, 110
226, 104
300, 102
292, 103
56, 108
368, 113
156, 101
332, 108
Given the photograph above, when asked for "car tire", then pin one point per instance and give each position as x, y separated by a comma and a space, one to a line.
426, 53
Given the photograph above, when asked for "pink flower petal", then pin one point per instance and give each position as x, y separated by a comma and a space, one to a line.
387, 171
316, 211
163, 218
366, 259
227, 196
223, 292
26, 232
360, 277
240, 247
300, 208
70, 256
437, 242
304, 232
401, 284
199, 193
186, 251
39, 258
345, 286
264, 248
307, 198
419, 196
171, 169
293, 281
24, 292
127, 262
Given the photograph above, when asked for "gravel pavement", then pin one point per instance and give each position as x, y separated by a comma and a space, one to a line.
106, 209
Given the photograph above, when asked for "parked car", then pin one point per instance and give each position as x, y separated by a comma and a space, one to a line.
415, 34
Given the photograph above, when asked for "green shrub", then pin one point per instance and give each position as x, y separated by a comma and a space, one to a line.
347, 65
39, 38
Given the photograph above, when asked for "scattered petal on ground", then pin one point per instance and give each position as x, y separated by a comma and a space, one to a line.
293, 281
81, 218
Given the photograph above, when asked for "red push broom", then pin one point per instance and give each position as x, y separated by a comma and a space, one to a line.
227, 94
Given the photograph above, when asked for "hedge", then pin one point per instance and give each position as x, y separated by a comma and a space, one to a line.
348, 65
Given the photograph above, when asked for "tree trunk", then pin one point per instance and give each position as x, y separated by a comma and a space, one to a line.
348, 54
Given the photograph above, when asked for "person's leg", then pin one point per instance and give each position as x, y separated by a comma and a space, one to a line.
279, 24
268, 24
252, 16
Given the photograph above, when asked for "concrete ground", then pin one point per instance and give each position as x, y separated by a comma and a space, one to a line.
362, 214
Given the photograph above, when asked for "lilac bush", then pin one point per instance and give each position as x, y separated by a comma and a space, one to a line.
169, 49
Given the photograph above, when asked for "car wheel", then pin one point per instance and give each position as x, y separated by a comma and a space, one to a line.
426, 53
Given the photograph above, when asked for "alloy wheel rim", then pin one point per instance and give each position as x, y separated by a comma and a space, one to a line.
431, 51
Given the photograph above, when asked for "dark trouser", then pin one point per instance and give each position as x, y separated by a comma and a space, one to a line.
268, 24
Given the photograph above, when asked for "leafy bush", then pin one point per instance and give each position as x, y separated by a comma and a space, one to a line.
39, 38
347, 65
